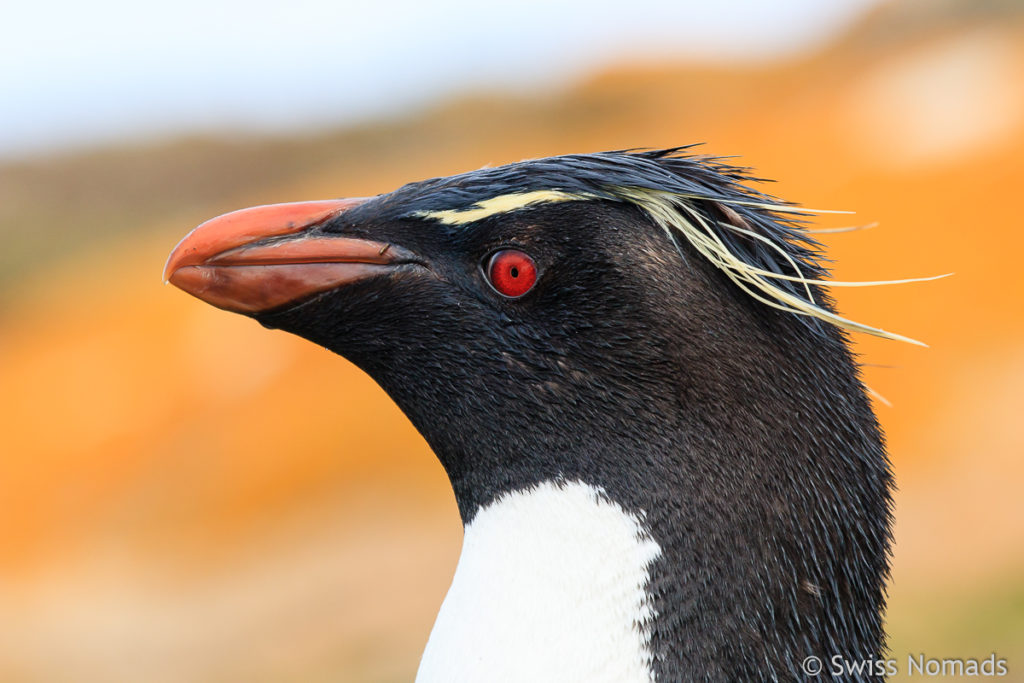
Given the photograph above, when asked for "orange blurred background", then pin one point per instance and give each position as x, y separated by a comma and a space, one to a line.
186, 496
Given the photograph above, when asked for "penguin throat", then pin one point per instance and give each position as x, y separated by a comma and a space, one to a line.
550, 586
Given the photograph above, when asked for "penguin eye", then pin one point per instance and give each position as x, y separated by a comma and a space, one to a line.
511, 272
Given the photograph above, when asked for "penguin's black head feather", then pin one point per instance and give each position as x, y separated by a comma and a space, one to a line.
624, 309
673, 346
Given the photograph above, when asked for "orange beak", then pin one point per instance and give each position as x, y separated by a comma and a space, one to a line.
266, 257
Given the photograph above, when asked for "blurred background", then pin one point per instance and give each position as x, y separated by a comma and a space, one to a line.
185, 496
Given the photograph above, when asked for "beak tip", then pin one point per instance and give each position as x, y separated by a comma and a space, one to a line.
195, 264
240, 227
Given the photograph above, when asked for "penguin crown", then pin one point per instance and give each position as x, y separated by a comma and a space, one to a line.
761, 243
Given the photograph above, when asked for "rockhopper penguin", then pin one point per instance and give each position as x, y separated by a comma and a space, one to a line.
661, 450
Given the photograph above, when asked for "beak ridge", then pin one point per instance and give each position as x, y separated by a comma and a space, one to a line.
232, 263
244, 226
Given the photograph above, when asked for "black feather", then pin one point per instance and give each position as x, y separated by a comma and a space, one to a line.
741, 436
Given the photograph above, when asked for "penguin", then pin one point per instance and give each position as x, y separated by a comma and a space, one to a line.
631, 370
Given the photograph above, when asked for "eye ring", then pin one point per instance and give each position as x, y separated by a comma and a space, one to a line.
511, 272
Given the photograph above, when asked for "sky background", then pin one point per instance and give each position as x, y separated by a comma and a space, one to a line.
81, 74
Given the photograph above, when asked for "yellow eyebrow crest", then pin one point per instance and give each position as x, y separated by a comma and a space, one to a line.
678, 215
501, 204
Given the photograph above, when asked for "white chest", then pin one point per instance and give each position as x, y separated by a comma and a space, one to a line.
549, 587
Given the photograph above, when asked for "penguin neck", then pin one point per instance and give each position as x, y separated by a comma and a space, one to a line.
551, 585
770, 520
764, 485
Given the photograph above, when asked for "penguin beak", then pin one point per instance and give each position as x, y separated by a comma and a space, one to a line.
267, 257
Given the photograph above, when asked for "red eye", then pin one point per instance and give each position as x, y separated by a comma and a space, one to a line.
512, 272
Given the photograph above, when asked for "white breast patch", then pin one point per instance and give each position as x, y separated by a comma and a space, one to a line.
549, 587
